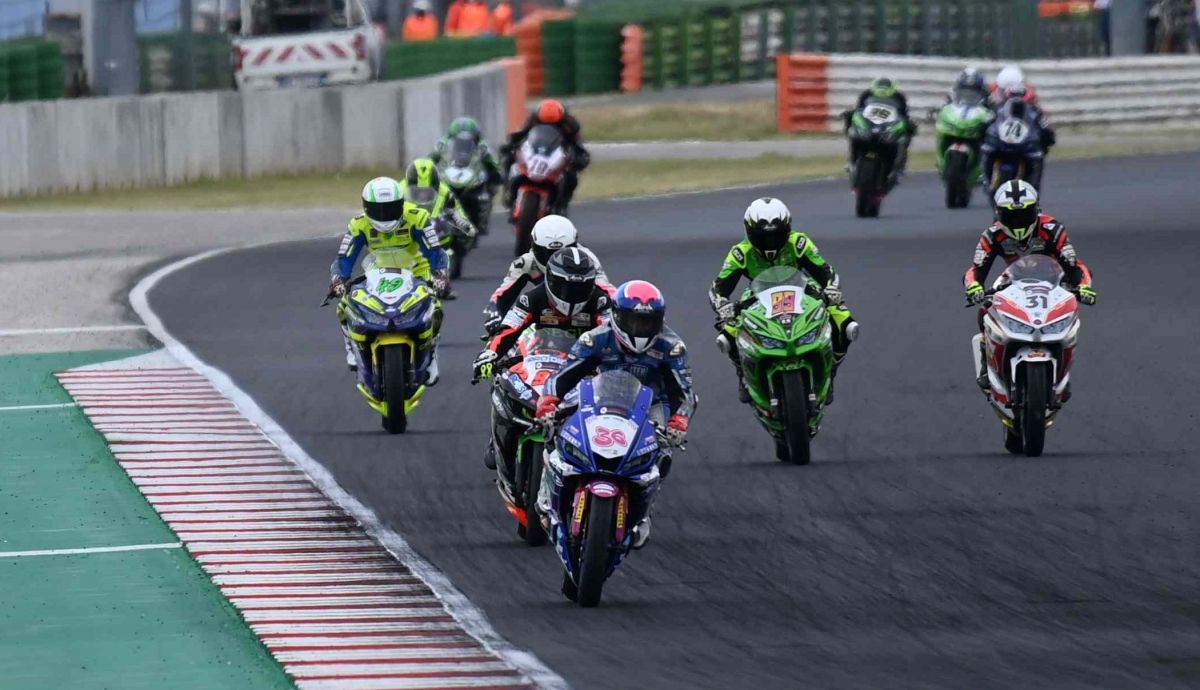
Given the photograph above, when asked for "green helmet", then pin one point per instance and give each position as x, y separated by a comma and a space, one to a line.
464, 124
883, 87
422, 182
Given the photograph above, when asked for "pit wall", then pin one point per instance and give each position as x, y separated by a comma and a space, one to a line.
153, 141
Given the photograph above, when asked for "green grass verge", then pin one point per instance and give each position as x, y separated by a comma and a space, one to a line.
603, 180
682, 121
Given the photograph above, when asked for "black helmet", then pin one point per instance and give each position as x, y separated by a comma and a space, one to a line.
970, 79
768, 225
570, 280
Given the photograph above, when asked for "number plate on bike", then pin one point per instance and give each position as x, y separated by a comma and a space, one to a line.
611, 436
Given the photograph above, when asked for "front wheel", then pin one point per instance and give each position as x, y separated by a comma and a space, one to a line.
793, 398
395, 387
534, 534
1034, 399
866, 188
593, 556
958, 191
527, 216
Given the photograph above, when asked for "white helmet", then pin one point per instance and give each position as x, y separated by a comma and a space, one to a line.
768, 225
551, 234
1017, 209
1011, 77
421, 6
383, 204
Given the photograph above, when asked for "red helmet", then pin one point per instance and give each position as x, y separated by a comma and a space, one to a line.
551, 111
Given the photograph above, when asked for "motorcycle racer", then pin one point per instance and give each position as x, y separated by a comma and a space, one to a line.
550, 112
550, 234
469, 126
883, 88
389, 222
1022, 229
638, 341
771, 241
568, 299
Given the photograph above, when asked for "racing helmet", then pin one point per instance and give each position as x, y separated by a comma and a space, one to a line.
422, 182
464, 124
1010, 77
638, 313
383, 204
551, 234
883, 87
768, 226
970, 79
570, 280
551, 111
1017, 209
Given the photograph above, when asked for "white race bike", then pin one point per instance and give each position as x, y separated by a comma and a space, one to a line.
1030, 326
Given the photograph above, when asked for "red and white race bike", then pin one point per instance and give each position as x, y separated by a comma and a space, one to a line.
539, 167
1030, 326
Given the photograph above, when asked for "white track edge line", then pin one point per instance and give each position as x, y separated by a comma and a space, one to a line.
51, 406
91, 549
470, 617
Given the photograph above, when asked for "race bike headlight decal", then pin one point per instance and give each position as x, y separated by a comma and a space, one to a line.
771, 343
1056, 327
372, 317
1016, 326
574, 455
811, 336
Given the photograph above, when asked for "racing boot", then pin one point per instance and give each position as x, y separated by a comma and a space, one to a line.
641, 533
433, 374
489, 456
982, 381
351, 358
743, 392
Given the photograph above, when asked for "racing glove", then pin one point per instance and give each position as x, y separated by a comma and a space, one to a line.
833, 295
547, 406
441, 285
724, 309
484, 366
337, 286
677, 428
975, 293
492, 321
1087, 295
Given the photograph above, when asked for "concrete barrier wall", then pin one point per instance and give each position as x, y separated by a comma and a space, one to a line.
146, 141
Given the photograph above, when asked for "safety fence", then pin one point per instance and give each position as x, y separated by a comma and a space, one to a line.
157, 140
31, 70
705, 42
814, 89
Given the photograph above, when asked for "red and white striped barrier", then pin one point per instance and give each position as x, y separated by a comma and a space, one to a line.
334, 607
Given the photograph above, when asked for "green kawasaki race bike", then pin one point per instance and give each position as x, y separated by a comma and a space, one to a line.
960, 128
785, 338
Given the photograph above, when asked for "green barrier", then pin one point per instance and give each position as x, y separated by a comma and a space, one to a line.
406, 60
22, 72
597, 56
51, 71
558, 47
3, 73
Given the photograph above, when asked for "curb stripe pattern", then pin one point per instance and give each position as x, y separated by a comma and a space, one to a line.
334, 607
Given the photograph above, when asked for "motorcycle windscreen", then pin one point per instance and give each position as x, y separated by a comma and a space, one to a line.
616, 392
1036, 267
543, 139
421, 196
462, 150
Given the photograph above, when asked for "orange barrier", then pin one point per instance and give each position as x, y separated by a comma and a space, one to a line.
516, 91
632, 41
802, 92
1060, 8
528, 32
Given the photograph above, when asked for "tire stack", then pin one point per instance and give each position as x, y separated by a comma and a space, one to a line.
51, 70
3, 73
405, 60
597, 57
22, 72
558, 56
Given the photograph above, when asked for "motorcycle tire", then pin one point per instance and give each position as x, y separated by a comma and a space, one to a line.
532, 463
395, 387
1013, 442
958, 191
866, 188
527, 216
593, 554
793, 398
1034, 399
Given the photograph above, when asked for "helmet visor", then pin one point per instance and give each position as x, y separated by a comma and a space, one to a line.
421, 196
1019, 222
384, 211
542, 254
639, 324
767, 237
570, 291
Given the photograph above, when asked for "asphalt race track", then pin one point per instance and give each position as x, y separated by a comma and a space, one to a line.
913, 552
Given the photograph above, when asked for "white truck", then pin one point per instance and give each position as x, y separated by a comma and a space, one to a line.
300, 43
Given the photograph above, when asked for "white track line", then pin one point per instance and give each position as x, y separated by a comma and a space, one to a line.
25, 408
92, 549
72, 329
465, 615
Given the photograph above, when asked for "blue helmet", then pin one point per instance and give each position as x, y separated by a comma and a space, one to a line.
638, 314
970, 79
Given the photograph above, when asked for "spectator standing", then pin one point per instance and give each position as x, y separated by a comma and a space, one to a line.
474, 19
1104, 24
420, 25
502, 18
453, 16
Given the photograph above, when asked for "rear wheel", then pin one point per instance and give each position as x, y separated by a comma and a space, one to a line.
866, 174
527, 217
958, 193
532, 463
1034, 399
793, 398
593, 556
395, 387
